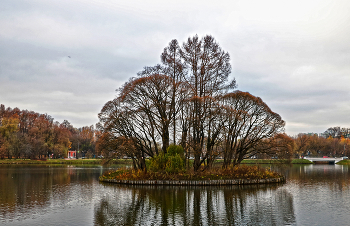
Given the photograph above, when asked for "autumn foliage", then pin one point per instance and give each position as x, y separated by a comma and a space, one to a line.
334, 142
27, 134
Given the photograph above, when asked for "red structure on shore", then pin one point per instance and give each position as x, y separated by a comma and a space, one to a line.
72, 154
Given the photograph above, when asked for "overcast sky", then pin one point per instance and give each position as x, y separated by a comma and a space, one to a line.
66, 58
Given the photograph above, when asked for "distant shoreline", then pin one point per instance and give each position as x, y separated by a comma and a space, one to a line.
63, 161
129, 161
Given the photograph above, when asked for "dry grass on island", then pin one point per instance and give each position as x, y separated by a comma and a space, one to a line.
172, 166
237, 172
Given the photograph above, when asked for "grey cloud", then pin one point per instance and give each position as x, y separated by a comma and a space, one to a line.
295, 58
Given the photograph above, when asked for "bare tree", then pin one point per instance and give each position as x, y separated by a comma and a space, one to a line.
333, 132
143, 112
174, 68
250, 123
208, 68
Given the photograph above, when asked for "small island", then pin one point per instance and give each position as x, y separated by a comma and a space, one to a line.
235, 176
169, 169
190, 101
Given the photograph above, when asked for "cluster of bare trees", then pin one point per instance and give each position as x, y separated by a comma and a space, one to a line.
27, 134
337, 132
189, 100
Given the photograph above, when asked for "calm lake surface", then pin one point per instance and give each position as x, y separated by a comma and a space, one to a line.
72, 195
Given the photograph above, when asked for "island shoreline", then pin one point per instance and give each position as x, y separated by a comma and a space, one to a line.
197, 182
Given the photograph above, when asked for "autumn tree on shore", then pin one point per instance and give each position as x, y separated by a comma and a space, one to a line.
301, 143
27, 134
8, 130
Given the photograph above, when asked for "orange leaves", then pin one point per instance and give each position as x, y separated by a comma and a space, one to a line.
9, 126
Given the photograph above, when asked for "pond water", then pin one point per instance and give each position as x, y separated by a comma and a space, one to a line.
72, 195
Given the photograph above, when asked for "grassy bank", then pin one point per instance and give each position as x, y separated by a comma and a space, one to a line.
344, 162
65, 161
238, 172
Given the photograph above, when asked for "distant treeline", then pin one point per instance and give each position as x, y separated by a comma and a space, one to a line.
333, 142
28, 134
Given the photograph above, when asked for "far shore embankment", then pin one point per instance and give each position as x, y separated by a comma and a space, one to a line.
66, 161
129, 161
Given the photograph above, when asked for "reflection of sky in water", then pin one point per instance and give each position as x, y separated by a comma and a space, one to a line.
313, 195
321, 194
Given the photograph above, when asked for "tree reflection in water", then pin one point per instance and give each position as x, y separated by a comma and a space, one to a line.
27, 191
158, 205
